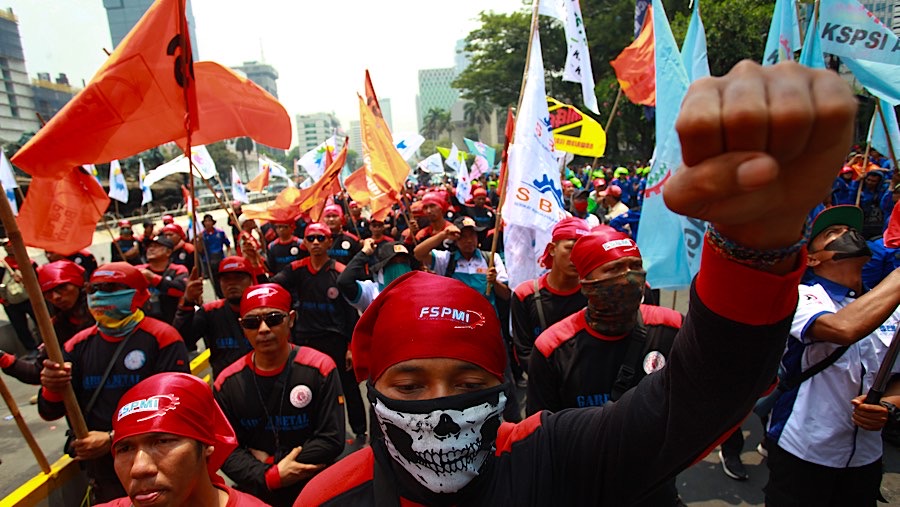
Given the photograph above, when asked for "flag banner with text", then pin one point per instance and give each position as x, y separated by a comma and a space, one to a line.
784, 33
574, 132
578, 59
146, 193
849, 30
118, 190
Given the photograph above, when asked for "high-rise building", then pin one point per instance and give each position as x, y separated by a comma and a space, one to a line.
386, 112
462, 57
435, 92
50, 97
16, 97
313, 129
262, 74
887, 11
356, 135
124, 14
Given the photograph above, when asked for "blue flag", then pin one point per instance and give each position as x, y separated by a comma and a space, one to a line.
877, 134
693, 51
479, 148
670, 244
784, 33
811, 55
851, 31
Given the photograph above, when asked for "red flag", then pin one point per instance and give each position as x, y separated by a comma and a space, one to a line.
261, 180
137, 100
636, 67
232, 106
892, 234
186, 197
504, 157
60, 215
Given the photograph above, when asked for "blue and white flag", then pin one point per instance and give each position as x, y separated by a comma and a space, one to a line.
670, 244
693, 51
811, 55
146, 193
407, 143
851, 31
578, 59
432, 164
8, 179
238, 192
877, 134
117, 188
453, 158
784, 33
463, 184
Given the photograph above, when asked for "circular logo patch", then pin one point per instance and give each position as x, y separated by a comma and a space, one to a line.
135, 359
345, 245
654, 361
294, 250
332, 293
182, 256
301, 396
77, 260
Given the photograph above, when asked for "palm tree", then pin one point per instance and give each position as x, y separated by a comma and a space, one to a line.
435, 122
245, 146
477, 112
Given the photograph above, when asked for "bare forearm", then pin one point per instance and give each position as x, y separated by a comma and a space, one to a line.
861, 317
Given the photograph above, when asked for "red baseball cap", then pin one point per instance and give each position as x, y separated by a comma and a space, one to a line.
612, 190
173, 227
599, 248
267, 295
168, 219
54, 274
479, 191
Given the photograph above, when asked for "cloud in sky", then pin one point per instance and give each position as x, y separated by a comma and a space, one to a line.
319, 48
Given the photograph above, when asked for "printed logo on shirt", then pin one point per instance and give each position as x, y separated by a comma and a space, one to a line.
653, 361
158, 404
811, 297
332, 293
182, 256
294, 250
301, 396
135, 359
345, 245
464, 319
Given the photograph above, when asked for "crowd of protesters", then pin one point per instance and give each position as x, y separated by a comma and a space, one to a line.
574, 388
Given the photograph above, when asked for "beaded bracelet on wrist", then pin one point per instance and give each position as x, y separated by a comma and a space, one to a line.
751, 256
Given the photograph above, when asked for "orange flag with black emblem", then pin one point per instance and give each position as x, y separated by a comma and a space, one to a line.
137, 100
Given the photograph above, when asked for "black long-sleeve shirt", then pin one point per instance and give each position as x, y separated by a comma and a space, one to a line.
526, 325
217, 323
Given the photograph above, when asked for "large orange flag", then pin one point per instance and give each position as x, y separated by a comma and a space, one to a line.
356, 185
313, 199
386, 171
60, 215
232, 106
636, 67
137, 100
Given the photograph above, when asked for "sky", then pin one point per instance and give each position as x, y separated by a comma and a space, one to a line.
319, 48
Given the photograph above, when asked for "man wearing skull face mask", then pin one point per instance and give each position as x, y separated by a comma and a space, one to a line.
824, 444
435, 366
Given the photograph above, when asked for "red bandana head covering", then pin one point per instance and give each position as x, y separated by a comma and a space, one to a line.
173, 227
406, 322
179, 404
317, 228
126, 274
267, 295
435, 198
479, 191
567, 228
333, 209
598, 248
56, 273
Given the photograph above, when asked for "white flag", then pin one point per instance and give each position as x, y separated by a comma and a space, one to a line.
479, 167
238, 192
92, 170
578, 60
453, 159
204, 166
146, 194
203, 162
407, 143
275, 169
117, 188
432, 164
8, 178
314, 160
463, 185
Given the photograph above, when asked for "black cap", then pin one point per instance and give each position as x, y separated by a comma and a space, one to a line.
466, 221
164, 241
848, 215
386, 251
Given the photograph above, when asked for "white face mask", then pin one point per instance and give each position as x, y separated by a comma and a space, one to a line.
443, 449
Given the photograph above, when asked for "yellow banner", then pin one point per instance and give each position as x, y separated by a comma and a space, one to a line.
575, 132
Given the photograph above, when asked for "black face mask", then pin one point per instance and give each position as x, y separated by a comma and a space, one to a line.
849, 246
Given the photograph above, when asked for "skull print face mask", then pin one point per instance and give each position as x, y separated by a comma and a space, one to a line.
443, 442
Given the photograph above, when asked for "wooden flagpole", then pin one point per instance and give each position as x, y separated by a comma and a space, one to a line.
498, 217
23, 427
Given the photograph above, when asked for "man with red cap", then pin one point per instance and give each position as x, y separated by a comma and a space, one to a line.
325, 319
169, 440
127, 243
217, 322
183, 252
83, 258
435, 367
283, 401
434, 207
478, 210
105, 360
538, 304
284, 249
612, 203
596, 355
343, 244
166, 280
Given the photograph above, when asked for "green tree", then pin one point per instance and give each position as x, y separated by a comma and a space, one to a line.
244, 145
436, 121
477, 113
223, 157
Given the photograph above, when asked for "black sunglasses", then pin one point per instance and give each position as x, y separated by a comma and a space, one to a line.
271, 319
316, 237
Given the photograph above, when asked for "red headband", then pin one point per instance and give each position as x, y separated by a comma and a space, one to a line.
436, 199
317, 228
124, 273
267, 295
599, 248
333, 209
179, 404
406, 322
567, 228
54, 274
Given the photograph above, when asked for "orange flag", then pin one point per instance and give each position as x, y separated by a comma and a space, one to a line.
313, 199
636, 68
232, 106
137, 100
356, 186
261, 180
60, 215
386, 171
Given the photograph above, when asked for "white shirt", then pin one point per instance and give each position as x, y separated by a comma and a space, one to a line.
818, 427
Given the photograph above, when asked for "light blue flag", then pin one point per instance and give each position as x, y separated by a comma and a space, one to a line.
693, 51
784, 33
877, 135
670, 244
811, 54
851, 31
880, 79
479, 148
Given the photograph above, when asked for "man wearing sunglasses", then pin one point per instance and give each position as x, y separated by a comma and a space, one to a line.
283, 401
137, 347
217, 322
325, 319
